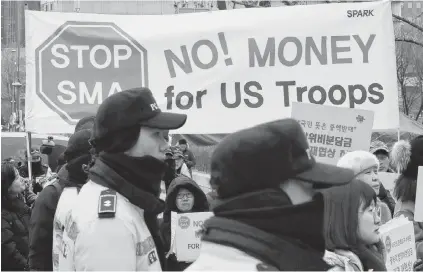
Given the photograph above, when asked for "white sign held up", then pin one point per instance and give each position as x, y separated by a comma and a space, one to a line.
398, 238
334, 131
187, 236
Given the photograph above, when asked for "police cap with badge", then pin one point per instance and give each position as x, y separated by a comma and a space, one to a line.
120, 113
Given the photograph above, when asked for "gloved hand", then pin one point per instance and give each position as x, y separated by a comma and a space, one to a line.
418, 265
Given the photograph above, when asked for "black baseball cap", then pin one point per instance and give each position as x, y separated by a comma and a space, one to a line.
263, 156
133, 107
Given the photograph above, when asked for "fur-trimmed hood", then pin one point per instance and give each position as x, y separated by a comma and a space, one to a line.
407, 156
400, 155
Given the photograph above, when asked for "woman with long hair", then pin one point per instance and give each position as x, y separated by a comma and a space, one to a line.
407, 157
351, 224
366, 168
15, 214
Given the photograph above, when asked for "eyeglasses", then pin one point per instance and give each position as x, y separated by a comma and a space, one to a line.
186, 196
377, 213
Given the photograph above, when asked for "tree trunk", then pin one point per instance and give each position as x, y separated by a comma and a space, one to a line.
404, 99
421, 103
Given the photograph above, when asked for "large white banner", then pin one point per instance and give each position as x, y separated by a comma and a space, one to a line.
227, 70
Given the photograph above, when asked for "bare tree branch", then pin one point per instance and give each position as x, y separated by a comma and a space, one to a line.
409, 41
408, 22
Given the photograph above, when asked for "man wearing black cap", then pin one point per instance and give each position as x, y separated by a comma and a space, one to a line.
113, 225
381, 151
266, 215
39, 169
189, 158
70, 175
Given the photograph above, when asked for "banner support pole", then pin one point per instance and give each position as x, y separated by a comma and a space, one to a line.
28, 154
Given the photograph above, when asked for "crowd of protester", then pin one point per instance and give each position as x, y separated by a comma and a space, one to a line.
274, 206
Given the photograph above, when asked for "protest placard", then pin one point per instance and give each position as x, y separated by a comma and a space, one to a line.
246, 65
187, 236
399, 241
418, 210
333, 131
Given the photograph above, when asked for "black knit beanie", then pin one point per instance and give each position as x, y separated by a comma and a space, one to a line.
78, 145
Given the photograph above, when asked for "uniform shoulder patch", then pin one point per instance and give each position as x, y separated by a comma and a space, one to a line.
152, 257
107, 204
265, 267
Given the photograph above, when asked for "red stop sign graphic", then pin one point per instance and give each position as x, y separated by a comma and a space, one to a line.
83, 63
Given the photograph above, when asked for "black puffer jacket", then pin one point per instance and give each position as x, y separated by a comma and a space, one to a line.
15, 216
386, 197
200, 205
41, 225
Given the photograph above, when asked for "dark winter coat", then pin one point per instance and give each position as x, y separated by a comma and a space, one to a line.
189, 159
41, 223
200, 205
170, 173
386, 197
15, 216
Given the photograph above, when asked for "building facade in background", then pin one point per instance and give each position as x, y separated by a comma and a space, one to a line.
149, 7
13, 21
136, 7
412, 11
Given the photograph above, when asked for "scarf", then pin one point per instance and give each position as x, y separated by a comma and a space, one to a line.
137, 179
370, 257
290, 237
270, 210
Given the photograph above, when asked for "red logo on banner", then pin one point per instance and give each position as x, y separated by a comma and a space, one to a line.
83, 63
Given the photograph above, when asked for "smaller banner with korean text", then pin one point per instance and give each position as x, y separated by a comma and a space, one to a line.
334, 131
398, 238
186, 234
